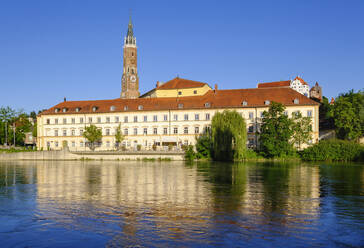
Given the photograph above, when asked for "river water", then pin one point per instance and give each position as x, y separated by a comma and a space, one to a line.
174, 204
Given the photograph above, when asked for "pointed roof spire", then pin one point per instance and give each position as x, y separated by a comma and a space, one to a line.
130, 27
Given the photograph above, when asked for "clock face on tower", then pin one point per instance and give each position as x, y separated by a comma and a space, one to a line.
133, 78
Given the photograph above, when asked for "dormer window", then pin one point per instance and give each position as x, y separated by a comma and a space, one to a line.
195, 92
179, 93
244, 103
266, 102
140, 107
78, 109
207, 105
56, 110
112, 108
296, 101
94, 108
64, 110
126, 108
180, 105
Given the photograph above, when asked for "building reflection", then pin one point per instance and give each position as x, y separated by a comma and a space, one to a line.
125, 198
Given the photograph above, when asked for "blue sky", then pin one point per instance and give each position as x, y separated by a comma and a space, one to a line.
55, 49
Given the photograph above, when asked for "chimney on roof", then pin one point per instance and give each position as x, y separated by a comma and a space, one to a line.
64, 99
158, 84
215, 89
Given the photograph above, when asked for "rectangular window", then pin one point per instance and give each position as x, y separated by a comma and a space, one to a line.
107, 131
261, 114
135, 131
64, 121
55, 132
73, 144
90, 120
126, 119
81, 120
165, 130
285, 113
81, 132
186, 117
197, 117
251, 115
165, 117
135, 118
48, 121
309, 113
55, 121
155, 130
207, 116
175, 117
126, 132
107, 143
251, 129
145, 131
64, 132
81, 143
56, 144
73, 132
73, 120
145, 118
197, 130
155, 118
185, 130
175, 130
107, 119
116, 119
98, 119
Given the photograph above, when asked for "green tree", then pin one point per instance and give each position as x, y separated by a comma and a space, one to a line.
204, 144
119, 137
326, 121
228, 136
275, 132
348, 115
35, 130
302, 129
7, 115
93, 135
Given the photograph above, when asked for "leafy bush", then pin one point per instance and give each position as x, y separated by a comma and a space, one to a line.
190, 153
334, 150
204, 146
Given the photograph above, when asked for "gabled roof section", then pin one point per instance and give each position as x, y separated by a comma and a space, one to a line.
215, 98
180, 83
301, 80
275, 84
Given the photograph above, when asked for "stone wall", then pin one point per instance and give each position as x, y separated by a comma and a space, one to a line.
66, 155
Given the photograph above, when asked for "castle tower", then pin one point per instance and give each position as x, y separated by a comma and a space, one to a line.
130, 79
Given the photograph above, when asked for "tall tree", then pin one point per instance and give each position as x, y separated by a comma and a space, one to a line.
228, 136
119, 137
348, 114
93, 135
302, 129
275, 132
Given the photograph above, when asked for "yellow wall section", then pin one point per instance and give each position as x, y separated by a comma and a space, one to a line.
185, 92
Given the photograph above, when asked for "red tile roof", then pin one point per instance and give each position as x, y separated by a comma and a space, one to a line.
216, 99
275, 84
180, 83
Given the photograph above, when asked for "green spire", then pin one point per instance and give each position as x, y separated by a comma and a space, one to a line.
130, 28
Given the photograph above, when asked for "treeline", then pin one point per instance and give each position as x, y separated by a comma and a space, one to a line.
283, 137
16, 123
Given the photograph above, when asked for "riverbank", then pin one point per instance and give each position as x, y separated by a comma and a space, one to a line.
89, 155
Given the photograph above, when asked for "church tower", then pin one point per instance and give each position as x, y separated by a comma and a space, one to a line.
130, 79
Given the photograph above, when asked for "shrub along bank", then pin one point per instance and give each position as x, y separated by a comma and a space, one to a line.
334, 150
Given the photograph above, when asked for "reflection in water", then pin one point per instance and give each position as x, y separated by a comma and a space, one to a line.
166, 204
